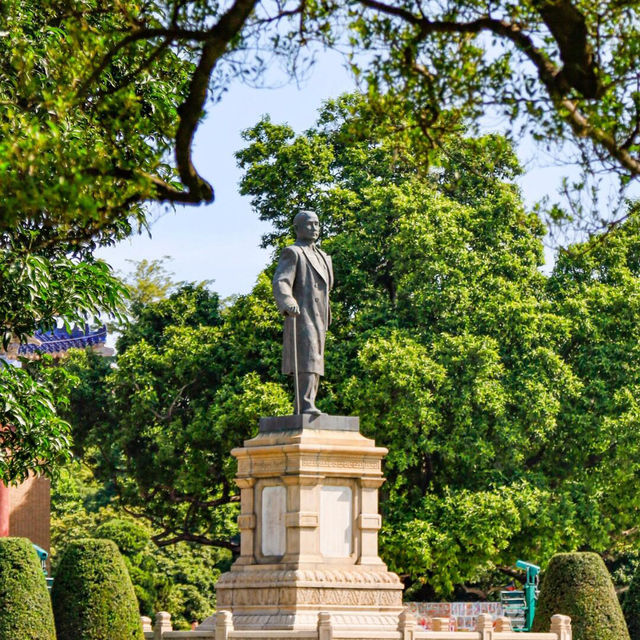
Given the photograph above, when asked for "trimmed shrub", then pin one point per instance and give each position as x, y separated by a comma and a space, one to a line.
25, 606
631, 607
92, 594
578, 585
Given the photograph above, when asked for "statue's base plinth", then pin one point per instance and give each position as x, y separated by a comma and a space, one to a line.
307, 421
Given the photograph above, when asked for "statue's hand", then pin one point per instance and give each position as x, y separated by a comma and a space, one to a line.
292, 310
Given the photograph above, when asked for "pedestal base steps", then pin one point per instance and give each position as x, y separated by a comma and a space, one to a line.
277, 599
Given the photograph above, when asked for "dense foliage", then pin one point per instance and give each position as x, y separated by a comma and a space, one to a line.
497, 389
38, 289
81, 78
92, 594
578, 585
75, 170
25, 607
563, 70
492, 385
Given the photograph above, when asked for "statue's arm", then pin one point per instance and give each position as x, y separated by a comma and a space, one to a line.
283, 280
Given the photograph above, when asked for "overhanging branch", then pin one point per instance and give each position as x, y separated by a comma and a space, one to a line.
229, 25
579, 71
216, 40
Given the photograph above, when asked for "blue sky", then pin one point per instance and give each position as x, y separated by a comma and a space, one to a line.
220, 242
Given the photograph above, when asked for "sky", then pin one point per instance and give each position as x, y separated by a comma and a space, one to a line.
220, 241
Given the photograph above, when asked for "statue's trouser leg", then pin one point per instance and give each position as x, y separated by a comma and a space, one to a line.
308, 383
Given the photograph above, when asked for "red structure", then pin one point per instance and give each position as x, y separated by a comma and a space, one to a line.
25, 511
5, 510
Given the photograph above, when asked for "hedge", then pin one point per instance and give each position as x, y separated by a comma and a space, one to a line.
25, 606
578, 585
92, 594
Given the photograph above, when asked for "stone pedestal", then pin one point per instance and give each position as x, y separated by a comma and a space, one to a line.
309, 530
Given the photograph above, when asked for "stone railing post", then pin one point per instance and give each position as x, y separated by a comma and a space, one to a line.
407, 625
484, 626
561, 626
325, 628
440, 624
503, 624
145, 621
162, 625
224, 625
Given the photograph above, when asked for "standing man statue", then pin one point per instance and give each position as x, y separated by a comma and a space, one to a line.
301, 286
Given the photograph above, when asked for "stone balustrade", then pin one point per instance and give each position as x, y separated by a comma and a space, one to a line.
408, 629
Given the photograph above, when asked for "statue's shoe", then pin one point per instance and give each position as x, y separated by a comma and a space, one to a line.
312, 411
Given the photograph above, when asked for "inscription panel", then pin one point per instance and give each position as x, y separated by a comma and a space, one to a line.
274, 532
336, 521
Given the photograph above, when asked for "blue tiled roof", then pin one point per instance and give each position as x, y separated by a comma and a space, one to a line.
61, 340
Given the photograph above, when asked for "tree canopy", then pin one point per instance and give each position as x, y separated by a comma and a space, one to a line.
39, 289
505, 396
101, 102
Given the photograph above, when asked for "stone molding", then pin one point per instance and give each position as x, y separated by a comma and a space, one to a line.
308, 577
247, 521
370, 521
327, 597
302, 519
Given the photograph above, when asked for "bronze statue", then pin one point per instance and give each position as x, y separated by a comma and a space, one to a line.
301, 286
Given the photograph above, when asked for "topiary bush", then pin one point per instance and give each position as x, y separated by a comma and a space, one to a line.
25, 606
578, 585
631, 607
93, 598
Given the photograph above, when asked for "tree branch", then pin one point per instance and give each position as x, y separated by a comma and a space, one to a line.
520, 576
190, 110
558, 82
216, 40
161, 541
568, 27
130, 77
172, 34
547, 70
178, 497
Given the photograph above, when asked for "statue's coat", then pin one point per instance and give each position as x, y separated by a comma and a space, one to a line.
304, 276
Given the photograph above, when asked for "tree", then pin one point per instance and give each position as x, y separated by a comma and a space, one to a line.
179, 579
458, 354
562, 70
92, 594
37, 292
141, 74
60, 197
630, 608
150, 280
102, 101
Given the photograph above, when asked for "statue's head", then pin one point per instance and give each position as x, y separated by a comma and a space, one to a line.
307, 226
